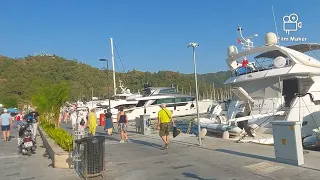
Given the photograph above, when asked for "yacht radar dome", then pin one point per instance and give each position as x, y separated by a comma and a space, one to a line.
270, 39
232, 51
279, 62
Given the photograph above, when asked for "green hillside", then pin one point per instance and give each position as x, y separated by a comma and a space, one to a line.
21, 78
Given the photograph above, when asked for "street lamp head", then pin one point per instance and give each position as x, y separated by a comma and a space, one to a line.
193, 44
103, 59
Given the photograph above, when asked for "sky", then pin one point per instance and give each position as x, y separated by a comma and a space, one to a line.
149, 35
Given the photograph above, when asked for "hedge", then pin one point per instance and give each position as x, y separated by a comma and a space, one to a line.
60, 136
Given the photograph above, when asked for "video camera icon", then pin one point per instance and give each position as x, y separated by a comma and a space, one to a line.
290, 23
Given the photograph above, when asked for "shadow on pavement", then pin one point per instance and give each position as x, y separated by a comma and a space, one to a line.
194, 176
147, 144
107, 137
246, 155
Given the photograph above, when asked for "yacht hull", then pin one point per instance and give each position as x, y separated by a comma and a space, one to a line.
188, 109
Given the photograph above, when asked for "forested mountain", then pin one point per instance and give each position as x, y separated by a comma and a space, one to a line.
21, 78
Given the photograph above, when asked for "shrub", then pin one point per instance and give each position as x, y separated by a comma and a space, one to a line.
60, 136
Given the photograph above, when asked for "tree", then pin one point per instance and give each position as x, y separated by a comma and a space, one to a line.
20, 79
10, 102
50, 99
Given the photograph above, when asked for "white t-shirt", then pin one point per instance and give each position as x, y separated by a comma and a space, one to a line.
74, 118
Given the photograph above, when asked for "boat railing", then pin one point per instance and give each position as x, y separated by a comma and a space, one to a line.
261, 64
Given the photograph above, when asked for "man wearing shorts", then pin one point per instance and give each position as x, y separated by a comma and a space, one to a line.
6, 124
164, 119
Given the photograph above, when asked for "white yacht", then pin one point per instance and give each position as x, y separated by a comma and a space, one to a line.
125, 99
180, 105
282, 84
132, 104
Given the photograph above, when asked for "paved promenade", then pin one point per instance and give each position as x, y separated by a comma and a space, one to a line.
217, 159
36, 167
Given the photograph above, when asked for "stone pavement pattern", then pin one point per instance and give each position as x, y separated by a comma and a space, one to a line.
144, 159
35, 167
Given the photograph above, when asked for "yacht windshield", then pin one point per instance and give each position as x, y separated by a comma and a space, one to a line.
168, 91
116, 97
146, 92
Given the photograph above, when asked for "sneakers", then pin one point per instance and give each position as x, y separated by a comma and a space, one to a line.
126, 140
166, 146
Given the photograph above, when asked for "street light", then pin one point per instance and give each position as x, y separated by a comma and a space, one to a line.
106, 60
194, 46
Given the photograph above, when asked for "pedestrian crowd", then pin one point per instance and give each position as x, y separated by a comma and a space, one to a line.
82, 118
9, 120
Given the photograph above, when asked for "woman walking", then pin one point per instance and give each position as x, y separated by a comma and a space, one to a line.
122, 120
92, 122
108, 124
74, 119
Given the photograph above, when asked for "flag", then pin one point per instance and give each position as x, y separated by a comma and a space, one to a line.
239, 41
245, 62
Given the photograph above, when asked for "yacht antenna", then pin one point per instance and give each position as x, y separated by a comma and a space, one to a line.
275, 23
246, 42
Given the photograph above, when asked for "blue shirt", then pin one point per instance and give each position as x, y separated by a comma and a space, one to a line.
5, 119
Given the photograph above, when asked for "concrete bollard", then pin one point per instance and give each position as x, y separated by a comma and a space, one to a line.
225, 135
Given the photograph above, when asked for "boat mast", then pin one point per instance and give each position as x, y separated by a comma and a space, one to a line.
113, 71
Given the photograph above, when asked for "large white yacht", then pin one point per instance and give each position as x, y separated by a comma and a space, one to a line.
180, 105
149, 103
282, 84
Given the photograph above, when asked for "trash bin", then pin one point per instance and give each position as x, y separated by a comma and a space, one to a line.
92, 156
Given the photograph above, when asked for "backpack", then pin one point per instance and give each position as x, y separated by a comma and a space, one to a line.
82, 122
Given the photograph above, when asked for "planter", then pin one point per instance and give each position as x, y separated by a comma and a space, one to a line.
59, 157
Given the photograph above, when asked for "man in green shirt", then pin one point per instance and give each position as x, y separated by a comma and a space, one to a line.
164, 119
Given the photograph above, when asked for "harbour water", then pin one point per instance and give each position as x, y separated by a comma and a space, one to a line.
183, 124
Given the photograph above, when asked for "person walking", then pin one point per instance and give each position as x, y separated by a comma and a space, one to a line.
74, 119
164, 119
122, 121
109, 123
92, 122
6, 124
19, 122
35, 120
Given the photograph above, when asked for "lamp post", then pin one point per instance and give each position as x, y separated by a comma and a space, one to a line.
106, 60
194, 46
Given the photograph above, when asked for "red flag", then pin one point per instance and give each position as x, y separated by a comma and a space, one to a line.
245, 62
239, 41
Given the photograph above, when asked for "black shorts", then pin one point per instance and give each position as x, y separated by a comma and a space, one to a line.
5, 128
